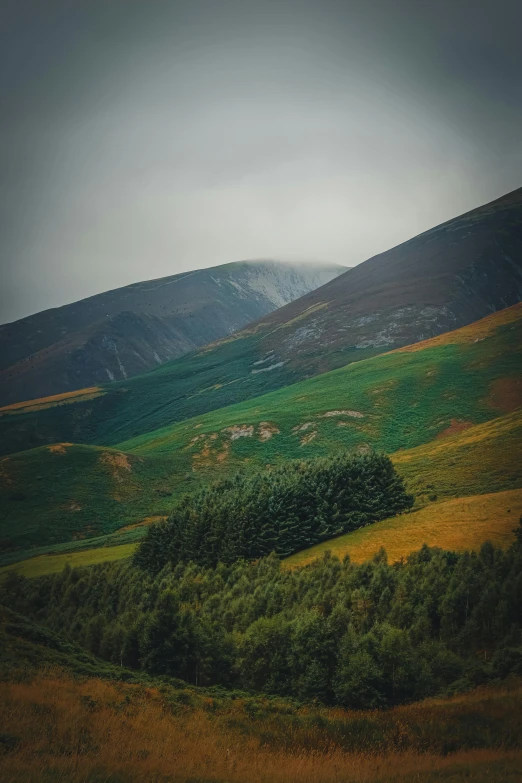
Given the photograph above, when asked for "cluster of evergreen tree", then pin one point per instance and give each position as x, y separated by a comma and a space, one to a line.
353, 635
281, 510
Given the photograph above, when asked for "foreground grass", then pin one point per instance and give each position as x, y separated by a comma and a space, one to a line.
59, 729
458, 525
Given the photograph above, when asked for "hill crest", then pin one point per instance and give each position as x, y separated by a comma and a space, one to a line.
121, 333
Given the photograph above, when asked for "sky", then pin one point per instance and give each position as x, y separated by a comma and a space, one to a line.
142, 139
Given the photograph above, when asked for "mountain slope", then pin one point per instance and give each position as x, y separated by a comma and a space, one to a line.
121, 333
442, 279
399, 400
447, 277
449, 410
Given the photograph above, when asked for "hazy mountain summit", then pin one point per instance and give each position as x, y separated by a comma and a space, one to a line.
126, 331
442, 279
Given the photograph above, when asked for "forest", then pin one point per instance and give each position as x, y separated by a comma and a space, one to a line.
281, 509
336, 633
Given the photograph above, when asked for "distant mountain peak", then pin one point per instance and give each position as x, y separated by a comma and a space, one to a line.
120, 333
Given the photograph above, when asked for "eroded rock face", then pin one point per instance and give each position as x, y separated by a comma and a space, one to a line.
352, 414
239, 431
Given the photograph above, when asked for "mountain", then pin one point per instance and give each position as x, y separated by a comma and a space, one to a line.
442, 279
461, 393
445, 278
120, 333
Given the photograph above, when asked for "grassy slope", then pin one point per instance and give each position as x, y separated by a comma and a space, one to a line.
458, 524
201, 381
396, 401
63, 492
42, 403
463, 466
485, 458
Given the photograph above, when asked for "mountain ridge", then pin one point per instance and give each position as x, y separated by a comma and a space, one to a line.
92, 341
452, 274
465, 269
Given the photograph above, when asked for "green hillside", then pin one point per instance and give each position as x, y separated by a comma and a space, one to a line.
181, 389
398, 400
449, 276
454, 393
476, 469
68, 492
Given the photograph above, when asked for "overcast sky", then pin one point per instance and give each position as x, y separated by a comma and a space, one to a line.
141, 139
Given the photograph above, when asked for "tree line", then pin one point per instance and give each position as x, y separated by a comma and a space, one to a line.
282, 510
359, 636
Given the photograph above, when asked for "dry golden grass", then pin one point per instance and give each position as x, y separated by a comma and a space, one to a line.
144, 523
458, 524
469, 334
59, 448
84, 731
482, 459
52, 564
41, 403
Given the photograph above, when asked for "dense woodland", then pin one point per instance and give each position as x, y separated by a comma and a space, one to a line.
354, 635
207, 600
282, 510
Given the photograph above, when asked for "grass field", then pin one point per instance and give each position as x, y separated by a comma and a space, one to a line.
91, 730
52, 564
459, 524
